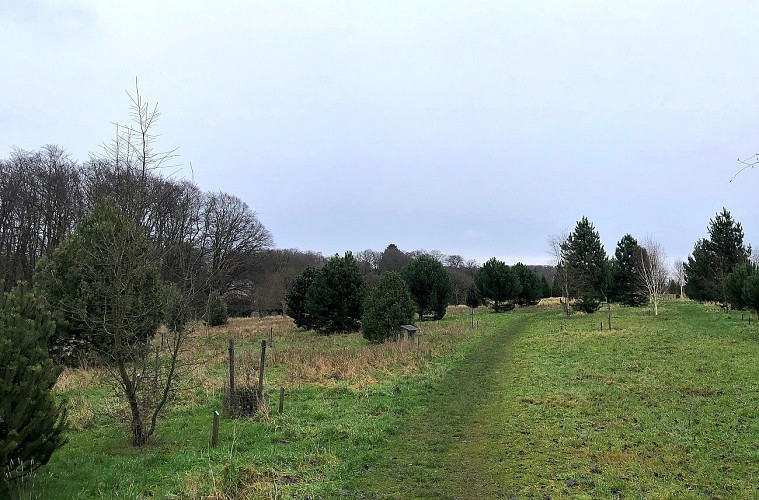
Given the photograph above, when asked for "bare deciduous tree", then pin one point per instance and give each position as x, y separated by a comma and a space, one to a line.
678, 274
232, 237
562, 272
652, 270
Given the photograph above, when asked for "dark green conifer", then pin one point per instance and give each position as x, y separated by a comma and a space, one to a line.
31, 422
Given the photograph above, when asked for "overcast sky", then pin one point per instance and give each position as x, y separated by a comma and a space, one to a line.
475, 128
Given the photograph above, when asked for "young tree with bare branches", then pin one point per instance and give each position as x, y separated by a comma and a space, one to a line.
562, 273
678, 274
652, 270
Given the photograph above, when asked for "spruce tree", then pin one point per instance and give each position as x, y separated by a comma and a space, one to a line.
31, 422
387, 307
587, 266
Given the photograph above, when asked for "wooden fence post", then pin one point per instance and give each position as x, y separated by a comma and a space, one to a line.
271, 336
281, 399
215, 433
608, 308
231, 368
260, 392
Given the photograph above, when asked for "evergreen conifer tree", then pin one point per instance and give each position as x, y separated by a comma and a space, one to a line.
545, 288
714, 258
625, 281
530, 291
31, 422
587, 266
499, 283
430, 285
387, 307
334, 301
296, 298
735, 283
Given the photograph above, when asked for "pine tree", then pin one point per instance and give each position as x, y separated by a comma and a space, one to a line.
296, 298
499, 283
587, 266
473, 296
103, 282
531, 291
430, 285
116, 294
334, 301
751, 292
387, 308
735, 283
714, 258
31, 422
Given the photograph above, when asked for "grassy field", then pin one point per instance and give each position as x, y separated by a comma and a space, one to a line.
660, 407
528, 404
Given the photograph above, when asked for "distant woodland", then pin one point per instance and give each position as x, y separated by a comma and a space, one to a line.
45, 193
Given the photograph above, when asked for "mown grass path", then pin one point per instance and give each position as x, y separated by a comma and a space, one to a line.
547, 407
451, 448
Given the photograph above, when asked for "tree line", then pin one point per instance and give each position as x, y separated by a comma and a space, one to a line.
44, 194
341, 297
718, 269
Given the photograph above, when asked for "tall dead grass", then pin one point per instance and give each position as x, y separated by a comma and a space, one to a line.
296, 358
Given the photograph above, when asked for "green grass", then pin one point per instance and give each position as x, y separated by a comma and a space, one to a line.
527, 405
661, 407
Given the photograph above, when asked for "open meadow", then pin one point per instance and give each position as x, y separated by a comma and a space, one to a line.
526, 404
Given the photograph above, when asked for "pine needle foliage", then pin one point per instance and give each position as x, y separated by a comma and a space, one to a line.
31, 422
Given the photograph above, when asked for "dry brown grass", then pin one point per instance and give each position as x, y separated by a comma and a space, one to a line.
296, 358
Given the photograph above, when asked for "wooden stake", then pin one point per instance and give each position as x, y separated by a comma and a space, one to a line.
260, 393
215, 432
231, 368
608, 308
281, 399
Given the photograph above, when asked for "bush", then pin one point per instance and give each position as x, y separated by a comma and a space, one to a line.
31, 423
216, 310
387, 308
586, 304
